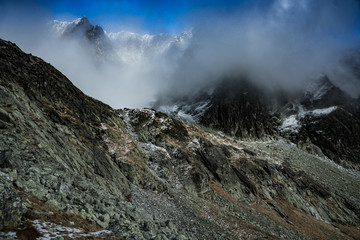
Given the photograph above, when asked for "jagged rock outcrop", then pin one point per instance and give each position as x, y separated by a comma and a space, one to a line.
144, 175
238, 108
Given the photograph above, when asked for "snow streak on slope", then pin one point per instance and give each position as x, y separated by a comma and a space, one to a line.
292, 123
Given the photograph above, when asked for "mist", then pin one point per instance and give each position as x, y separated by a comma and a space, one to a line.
279, 43
282, 45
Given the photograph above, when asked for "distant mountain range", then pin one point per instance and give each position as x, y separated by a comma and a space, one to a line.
126, 46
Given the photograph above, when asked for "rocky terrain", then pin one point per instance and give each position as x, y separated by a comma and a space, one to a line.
72, 167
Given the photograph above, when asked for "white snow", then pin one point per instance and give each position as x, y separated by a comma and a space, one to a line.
62, 26
54, 231
103, 127
290, 124
59, 26
149, 112
134, 47
77, 21
190, 112
323, 111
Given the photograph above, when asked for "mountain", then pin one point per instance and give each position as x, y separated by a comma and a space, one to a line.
126, 46
321, 118
82, 29
327, 117
71, 166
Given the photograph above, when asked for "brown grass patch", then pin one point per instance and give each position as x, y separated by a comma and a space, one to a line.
351, 231
222, 192
7, 109
308, 226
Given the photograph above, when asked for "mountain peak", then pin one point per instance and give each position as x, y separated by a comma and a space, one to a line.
321, 92
81, 21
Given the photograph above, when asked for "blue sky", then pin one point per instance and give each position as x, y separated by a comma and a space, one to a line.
146, 15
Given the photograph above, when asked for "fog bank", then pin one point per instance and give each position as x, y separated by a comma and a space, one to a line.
279, 43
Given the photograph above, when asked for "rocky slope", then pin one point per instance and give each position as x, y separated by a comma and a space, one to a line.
71, 166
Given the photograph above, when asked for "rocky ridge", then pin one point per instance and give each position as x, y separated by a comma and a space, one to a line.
144, 175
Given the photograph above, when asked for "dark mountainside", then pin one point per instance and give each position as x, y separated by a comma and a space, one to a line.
238, 108
321, 119
71, 166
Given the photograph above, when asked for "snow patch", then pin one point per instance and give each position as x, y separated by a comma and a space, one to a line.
54, 231
323, 111
184, 111
149, 112
60, 27
290, 124
103, 127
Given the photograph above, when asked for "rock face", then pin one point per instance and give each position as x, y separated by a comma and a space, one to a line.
145, 175
328, 118
238, 109
11, 205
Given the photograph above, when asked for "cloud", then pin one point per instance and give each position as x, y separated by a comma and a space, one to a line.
279, 43
282, 45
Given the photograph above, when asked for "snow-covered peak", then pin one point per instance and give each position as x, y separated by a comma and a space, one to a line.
82, 20
133, 47
148, 42
60, 26
128, 46
64, 27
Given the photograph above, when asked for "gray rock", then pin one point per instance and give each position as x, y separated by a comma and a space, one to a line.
12, 208
5, 159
